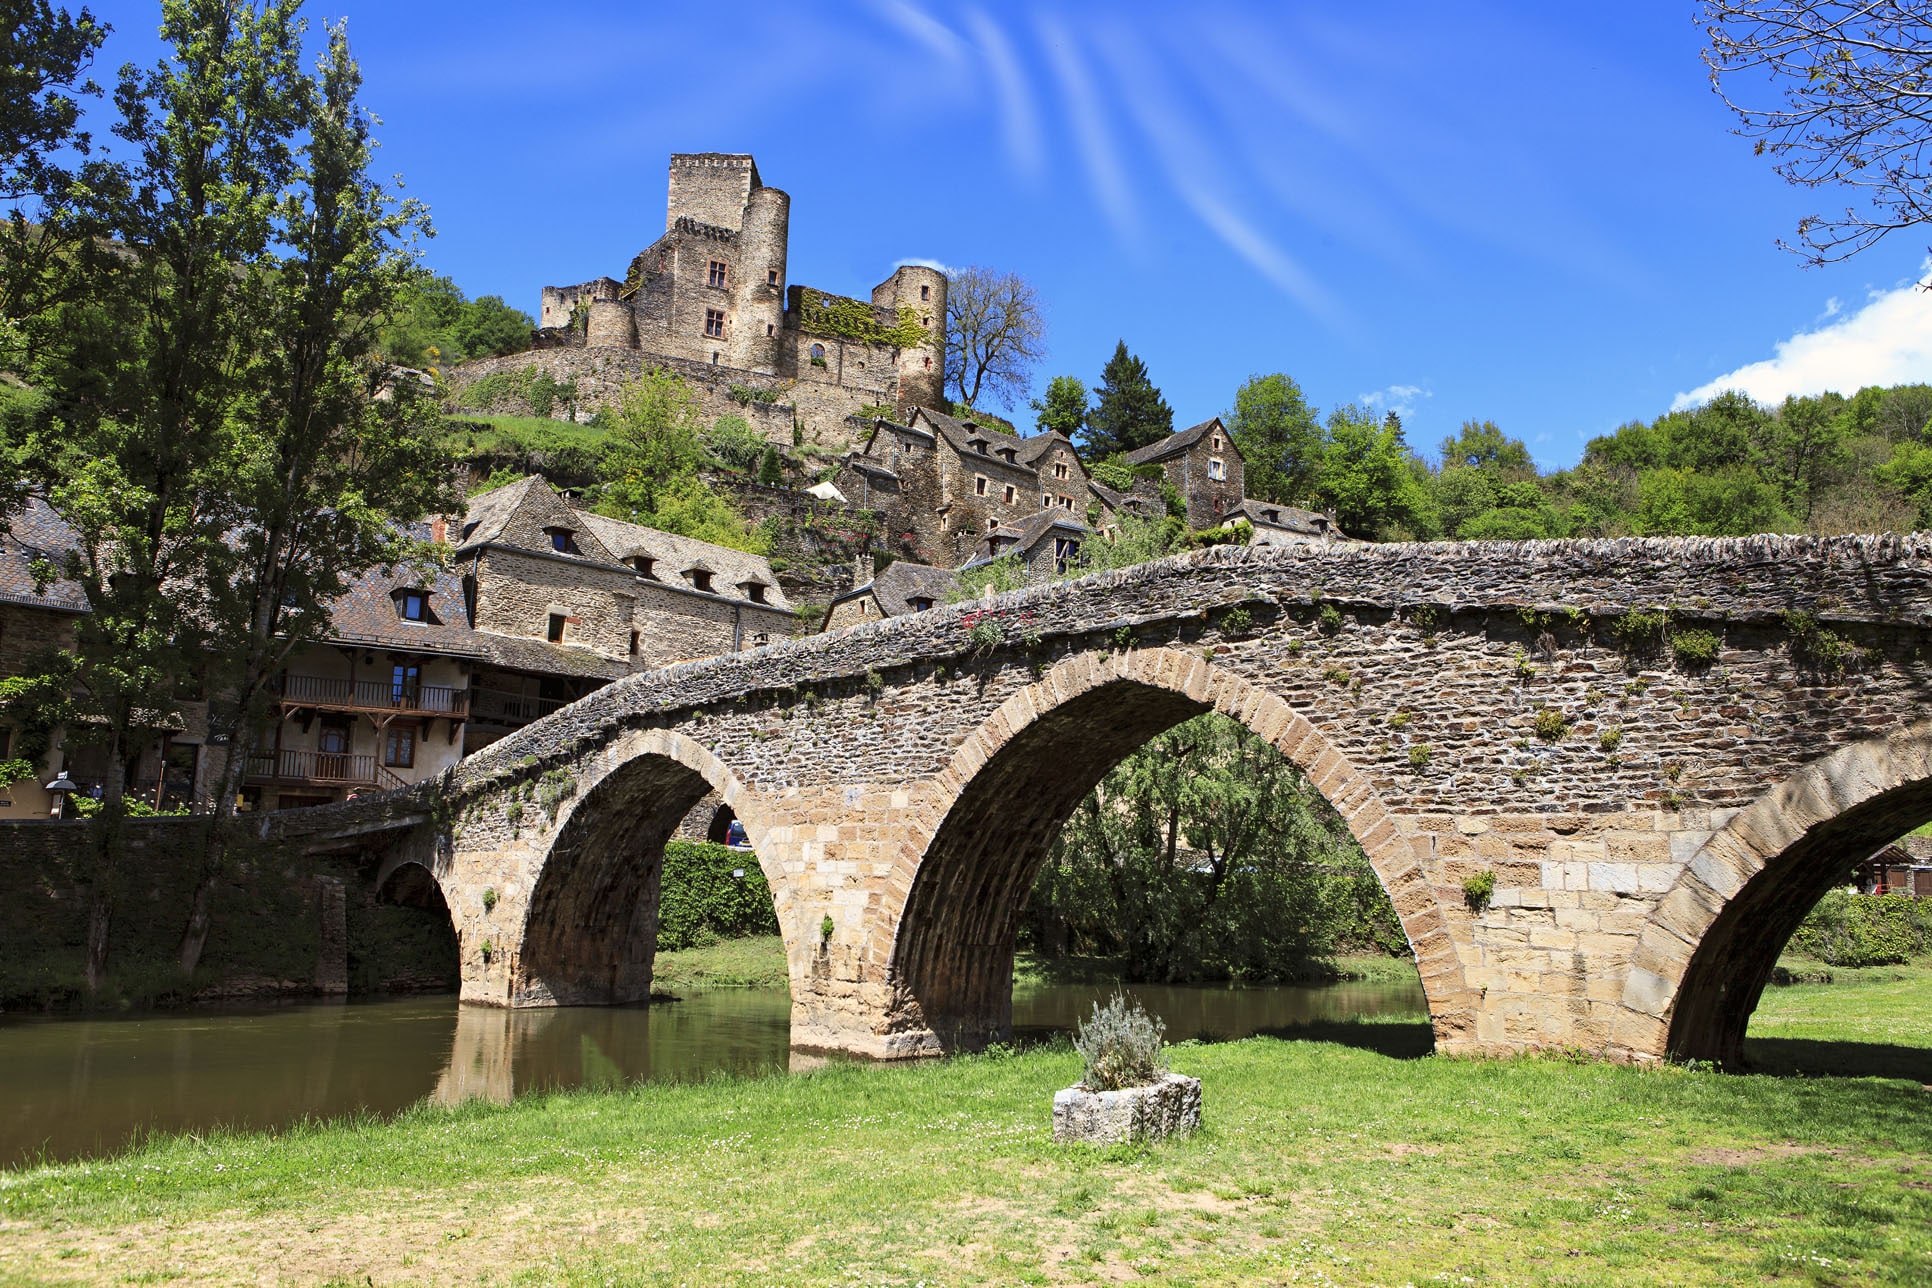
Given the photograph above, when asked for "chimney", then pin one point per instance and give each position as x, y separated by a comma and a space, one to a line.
439, 530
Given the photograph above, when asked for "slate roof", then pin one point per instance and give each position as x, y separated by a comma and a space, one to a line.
1123, 500
37, 532
963, 437
729, 568
367, 614
489, 512
517, 653
1292, 518
1173, 444
1032, 449
897, 586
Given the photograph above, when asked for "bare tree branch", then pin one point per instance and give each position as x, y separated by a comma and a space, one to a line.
995, 335
1846, 90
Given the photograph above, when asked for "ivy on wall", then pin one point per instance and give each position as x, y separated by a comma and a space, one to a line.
850, 319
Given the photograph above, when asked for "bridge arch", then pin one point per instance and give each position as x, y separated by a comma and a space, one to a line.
590, 930
1708, 948
1015, 781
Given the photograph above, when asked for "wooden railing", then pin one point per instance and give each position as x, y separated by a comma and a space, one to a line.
331, 768
511, 708
373, 695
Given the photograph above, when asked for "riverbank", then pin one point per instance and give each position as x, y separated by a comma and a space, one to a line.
1331, 1161
759, 962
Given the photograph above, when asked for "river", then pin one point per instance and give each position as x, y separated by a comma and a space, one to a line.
73, 1088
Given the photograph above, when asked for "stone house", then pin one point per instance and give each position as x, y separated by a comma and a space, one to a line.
1047, 545
942, 483
563, 601
1283, 525
1203, 465
1105, 507
712, 299
904, 587
33, 619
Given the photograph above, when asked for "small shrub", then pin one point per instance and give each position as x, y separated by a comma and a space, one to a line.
1610, 737
1330, 618
1525, 669
1694, 648
984, 635
1820, 649
1336, 675
1124, 638
1399, 718
488, 950
1851, 929
825, 928
1479, 889
1419, 756
1238, 621
1639, 631
1551, 725
1294, 647
489, 899
1121, 1046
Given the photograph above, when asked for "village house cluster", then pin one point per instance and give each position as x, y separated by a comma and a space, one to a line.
533, 604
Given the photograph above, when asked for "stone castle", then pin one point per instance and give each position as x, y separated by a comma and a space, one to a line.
712, 300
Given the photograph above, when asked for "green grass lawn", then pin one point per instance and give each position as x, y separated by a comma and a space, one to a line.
1320, 1162
755, 962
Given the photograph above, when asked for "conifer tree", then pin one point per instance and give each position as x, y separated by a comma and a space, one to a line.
1128, 411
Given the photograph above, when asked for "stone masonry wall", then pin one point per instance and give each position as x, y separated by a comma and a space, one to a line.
1468, 707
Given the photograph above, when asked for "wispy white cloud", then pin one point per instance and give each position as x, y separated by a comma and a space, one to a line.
1400, 399
1019, 117
1091, 133
1187, 157
934, 264
1886, 342
923, 28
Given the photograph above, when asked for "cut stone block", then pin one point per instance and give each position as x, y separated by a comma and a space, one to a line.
1170, 1107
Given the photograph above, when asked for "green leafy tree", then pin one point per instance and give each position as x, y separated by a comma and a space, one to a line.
1280, 438
651, 462
1372, 480
1730, 502
1480, 445
1207, 855
150, 372
1063, 409
336, 451
435, 326
1128, 410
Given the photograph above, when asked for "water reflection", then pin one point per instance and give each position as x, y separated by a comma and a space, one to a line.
72, 1088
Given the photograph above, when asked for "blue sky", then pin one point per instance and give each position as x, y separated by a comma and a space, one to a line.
1529, 213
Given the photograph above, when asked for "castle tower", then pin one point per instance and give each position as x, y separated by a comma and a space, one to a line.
758, 291
710, 187
922, 368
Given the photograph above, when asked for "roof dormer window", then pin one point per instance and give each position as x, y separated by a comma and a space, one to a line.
700, 579
919, 603
643, 566
562, 540
412, 605
1008, 453
754, 591
981, 445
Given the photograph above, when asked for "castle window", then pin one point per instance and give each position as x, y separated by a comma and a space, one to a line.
818, 353
925, 292
562, 540
1060, 470
771, 328
633, 643
1066, 503
1217, 468
714, 322
717, 272
991, 524
555, 633
979, 485
1214, 444
1045, 500
1009, 494
929, 364
771, 277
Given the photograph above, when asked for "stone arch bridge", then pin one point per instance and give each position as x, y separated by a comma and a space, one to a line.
1663, 750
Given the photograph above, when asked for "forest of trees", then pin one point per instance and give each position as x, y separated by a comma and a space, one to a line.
1826, 463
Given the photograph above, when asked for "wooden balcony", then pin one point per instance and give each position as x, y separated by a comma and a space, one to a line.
320, 769
510, 708
372, 697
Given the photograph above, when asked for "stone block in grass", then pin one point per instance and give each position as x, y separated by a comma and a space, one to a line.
1169, 1107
